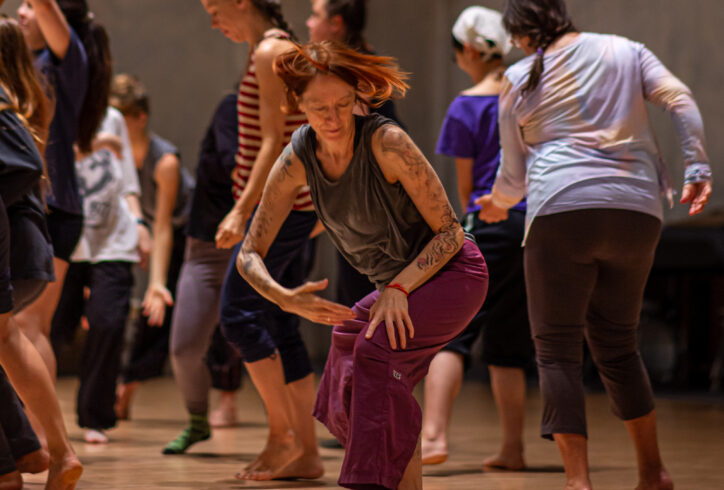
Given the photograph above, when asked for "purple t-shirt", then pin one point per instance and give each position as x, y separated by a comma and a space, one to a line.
470, 130
68, 79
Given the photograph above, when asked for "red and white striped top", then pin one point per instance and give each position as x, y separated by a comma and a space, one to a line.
250, 135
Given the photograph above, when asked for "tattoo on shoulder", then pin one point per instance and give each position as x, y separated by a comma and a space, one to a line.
394, 140
286, 159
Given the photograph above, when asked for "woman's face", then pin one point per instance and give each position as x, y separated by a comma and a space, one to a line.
328, 103
224, 15
321, 27
29, 25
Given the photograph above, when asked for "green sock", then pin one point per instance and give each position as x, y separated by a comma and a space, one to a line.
199, 430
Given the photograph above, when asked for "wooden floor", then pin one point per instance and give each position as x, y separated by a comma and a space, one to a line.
691, 435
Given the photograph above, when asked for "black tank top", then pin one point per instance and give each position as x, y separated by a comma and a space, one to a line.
374, 224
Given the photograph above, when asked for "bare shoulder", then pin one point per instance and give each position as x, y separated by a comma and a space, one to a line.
290, 165
270, 48
167, 167
389, 136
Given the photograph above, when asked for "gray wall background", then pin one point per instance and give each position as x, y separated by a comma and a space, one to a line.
188, 67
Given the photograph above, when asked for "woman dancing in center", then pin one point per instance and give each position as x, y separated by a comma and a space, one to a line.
387, 212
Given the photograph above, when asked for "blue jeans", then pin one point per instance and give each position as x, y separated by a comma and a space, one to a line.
258, 327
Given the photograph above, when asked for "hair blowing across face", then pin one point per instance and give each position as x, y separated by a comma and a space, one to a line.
542, 21
374, 78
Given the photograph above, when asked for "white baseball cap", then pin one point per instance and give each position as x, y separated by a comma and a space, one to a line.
482, 28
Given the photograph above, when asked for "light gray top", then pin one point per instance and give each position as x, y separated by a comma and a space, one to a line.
374, 224
586, 123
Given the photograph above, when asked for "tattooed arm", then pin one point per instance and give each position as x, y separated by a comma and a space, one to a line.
401, 161
287, 176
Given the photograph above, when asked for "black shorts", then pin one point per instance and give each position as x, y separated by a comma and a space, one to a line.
65, 231
503, 318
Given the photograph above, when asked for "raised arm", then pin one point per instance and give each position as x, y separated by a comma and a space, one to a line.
401, 161
272, 120
663, 89
53, 25
285, 179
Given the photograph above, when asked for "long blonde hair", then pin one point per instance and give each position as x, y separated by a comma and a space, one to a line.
25, 95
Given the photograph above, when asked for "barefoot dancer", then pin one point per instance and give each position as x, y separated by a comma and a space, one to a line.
26, 256
574, 126
386, 211
470, 134
62, 35
275, 356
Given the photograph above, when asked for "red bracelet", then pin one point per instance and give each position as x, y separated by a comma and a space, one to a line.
397, 286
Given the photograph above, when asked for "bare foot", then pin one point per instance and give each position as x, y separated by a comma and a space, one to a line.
64, 474
124, 394
11, 481
93, 436
505, 461
434, 451
283, 459
660, 481
35, 462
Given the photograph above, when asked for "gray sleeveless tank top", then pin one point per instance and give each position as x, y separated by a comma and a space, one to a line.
157, 148
374, 224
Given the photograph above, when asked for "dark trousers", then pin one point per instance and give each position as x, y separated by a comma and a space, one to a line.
585, 274
106, 309
16, 435
258, 327
149, 350
503, 318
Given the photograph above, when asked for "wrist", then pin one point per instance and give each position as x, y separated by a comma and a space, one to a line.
696, 173
143, 222
398, 287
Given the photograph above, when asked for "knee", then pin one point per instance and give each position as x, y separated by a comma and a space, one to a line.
186, 349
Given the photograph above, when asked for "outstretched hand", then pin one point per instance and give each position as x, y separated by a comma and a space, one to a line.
697, 195
391, 307
489, 212
156, 300
304, 302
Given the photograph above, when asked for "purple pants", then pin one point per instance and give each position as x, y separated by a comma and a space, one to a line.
365, 396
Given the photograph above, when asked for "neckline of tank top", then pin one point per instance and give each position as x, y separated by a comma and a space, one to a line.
358, 122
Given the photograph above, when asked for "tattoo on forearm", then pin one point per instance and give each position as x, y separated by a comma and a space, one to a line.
443, 245
396, 142
252, 269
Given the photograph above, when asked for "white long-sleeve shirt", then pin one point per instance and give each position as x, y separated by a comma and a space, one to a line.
585, 128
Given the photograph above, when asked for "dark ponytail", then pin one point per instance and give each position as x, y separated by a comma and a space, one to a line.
100, 69
272, 9
543, 22
354, 17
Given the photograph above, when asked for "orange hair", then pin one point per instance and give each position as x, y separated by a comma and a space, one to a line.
374, 78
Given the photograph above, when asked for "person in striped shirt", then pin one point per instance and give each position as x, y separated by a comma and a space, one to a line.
267, 337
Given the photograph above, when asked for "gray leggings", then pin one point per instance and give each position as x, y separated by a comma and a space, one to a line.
195, 318
585, 276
